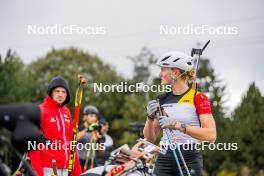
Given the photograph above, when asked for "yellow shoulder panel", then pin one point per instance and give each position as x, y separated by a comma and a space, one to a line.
188, 98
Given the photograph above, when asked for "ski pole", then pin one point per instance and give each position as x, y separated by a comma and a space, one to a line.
167, 132
90, 151
171, 136
18, 170
180, 153
54, 167
77, 108
183, 160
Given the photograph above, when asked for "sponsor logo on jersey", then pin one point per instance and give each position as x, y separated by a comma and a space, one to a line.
52, 119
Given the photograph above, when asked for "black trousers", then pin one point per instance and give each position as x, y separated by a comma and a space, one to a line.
166, 164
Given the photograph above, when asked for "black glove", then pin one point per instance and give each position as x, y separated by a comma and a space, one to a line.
93, 127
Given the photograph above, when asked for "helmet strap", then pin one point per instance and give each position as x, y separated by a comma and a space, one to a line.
174, 78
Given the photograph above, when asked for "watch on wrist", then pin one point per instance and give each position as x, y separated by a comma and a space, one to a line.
183, 127
151, 117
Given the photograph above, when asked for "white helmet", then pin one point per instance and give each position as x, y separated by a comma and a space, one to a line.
175, 59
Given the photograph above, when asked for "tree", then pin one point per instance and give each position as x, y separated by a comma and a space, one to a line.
214, 88
13, 86
69, 63
28, 83
247, 130
13, 89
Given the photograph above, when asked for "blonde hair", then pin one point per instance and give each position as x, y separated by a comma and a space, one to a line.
189, 76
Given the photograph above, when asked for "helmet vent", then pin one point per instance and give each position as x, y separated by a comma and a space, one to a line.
165, 58
165, 64
189, 63
176, 60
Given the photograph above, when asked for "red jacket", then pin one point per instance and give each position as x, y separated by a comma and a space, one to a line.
56, 125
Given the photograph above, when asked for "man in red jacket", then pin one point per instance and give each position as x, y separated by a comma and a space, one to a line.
56, 126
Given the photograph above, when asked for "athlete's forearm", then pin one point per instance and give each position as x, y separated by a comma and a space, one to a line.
147, 131
202, 134
80, 135
151, 130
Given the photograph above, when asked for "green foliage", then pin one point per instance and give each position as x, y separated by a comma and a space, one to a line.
13, 89
28, 83
13, 86
247, 130
69, 63
226, 173
214, 88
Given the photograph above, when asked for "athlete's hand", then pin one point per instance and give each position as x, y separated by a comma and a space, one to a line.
168, 122
93, 127
152, 108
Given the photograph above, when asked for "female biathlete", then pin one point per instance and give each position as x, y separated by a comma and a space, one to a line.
186, 112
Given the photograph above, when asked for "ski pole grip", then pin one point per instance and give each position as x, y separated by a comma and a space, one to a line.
82, 79
159, 108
